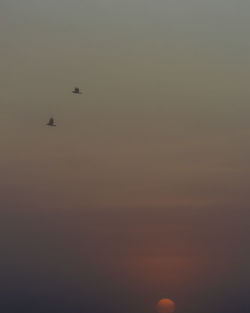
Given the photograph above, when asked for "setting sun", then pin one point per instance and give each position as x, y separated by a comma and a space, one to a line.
165, 306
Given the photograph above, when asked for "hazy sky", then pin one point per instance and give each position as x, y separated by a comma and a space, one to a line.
142, 190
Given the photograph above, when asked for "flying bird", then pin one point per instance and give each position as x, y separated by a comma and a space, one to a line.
51, 122
76, 91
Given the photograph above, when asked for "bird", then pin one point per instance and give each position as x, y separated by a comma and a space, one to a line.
76, 91
51, 122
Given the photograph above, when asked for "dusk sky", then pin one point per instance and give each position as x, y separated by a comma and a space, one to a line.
141, 192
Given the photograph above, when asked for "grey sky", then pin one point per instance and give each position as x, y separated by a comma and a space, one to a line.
151, 159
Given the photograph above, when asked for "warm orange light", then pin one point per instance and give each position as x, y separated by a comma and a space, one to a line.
165, 306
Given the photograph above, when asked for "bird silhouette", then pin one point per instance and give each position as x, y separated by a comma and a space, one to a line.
76, 91
51, 122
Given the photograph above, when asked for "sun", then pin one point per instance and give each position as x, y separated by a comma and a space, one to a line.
165, 306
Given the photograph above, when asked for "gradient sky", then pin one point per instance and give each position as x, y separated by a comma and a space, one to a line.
142, 190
